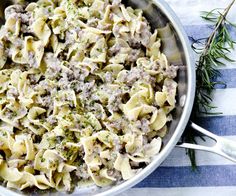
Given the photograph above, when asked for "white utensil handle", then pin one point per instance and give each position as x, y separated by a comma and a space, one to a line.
223, 147
228, 147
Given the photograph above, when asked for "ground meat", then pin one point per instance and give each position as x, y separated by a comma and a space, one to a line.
170, 87
17, 12
80, 73
25, 29
76, 85
82, 172
133, 43
88, 86
48, 87
134, 55
32, 60
9, 113
69, 37
53, 65
63, 83
143, 34
67, 74
115, 101
108, 77
77, 30
96, 109
117, 29
87, 90
52, 62
24, 17
171, 71
13, 9
119, 124
51, 119
18, 43
134, 75
115, 174
48, 12
143, 124
155, 66
9, 52
116, 124
45, 101
145, 140
32, 78
114, 50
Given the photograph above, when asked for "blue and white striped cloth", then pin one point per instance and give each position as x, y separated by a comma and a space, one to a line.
215, 175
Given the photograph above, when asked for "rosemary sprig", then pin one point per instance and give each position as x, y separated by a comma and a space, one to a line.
216, 49
213, 52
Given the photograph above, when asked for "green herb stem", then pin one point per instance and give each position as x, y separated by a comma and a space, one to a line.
218, 24
217, 47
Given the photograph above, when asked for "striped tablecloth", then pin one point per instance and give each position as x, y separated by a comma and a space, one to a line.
215, 175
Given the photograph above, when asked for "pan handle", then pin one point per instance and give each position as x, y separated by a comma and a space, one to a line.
223, 147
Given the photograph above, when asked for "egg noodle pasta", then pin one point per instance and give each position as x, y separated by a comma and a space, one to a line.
85, 94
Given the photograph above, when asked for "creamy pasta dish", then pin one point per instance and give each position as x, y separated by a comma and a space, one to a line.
85, 94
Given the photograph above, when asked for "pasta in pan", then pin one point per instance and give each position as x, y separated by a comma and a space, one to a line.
85, 95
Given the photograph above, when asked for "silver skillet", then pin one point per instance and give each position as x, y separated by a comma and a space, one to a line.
159, 14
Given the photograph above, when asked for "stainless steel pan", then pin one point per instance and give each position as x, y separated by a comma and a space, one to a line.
159, 14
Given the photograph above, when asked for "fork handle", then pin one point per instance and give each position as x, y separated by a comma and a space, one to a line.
223, 146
